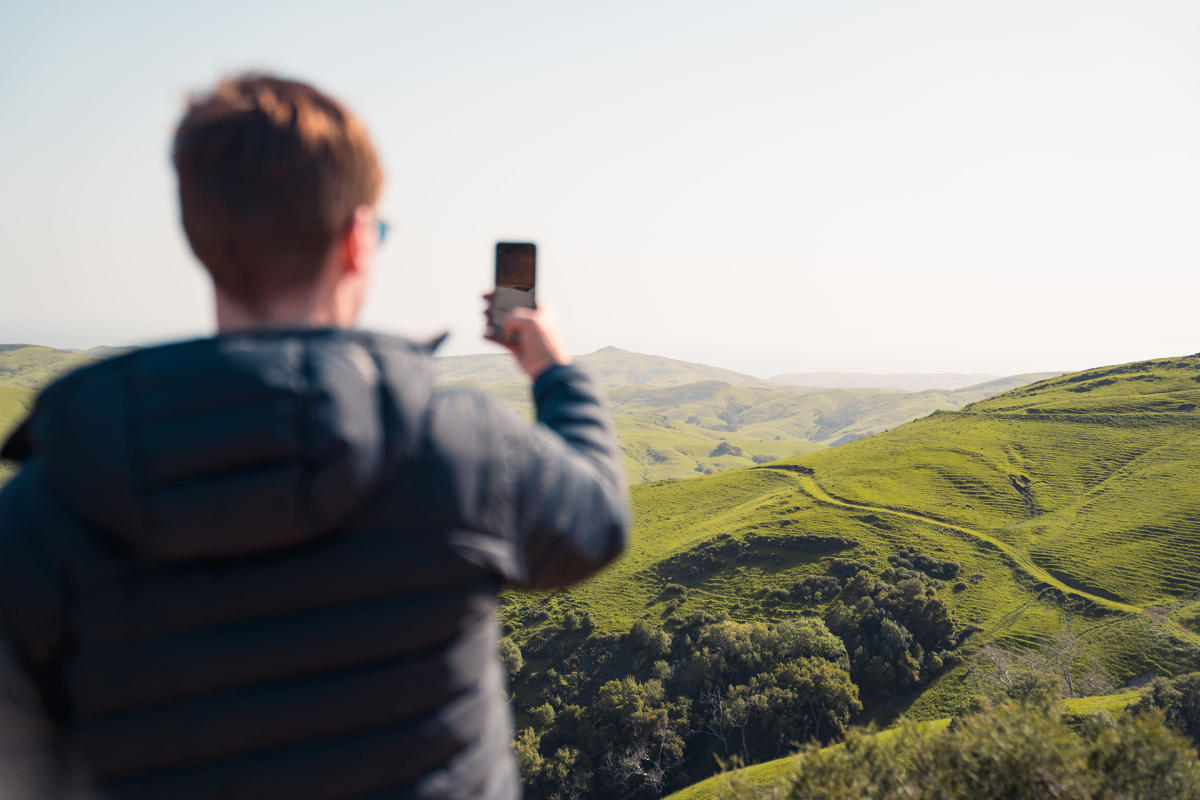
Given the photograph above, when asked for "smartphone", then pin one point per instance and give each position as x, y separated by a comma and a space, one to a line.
516, 272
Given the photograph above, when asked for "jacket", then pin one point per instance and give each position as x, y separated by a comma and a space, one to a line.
266, 565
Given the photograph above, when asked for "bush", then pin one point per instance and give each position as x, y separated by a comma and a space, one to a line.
510, 654
674, 590
726, 449
649, 640
845, 568
1177, 700
1013, 751
816, 589
777, 595
913, 559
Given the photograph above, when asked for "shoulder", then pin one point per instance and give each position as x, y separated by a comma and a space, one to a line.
470, 425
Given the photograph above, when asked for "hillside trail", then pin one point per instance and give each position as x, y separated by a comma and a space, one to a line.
809, 486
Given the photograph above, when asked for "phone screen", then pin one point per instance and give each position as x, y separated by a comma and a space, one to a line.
515, 264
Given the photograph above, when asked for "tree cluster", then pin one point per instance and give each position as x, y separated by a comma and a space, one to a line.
636, 714
1013, 750
898, 636
640, 713
1178, 700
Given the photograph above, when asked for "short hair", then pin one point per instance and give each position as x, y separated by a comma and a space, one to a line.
270, 173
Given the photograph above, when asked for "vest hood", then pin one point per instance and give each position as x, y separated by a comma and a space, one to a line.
234, 445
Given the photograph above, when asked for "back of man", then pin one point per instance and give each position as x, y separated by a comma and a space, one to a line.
265, 564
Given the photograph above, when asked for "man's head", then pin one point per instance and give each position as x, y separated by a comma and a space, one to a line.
277, 188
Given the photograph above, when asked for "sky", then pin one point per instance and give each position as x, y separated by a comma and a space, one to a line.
770, 187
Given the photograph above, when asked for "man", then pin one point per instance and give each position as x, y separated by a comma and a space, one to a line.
265, 565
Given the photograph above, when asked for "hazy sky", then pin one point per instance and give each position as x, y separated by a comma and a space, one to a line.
766, 186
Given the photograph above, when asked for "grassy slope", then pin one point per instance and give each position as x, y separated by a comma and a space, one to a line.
769, 772
671, 432
25, 369
613, 366
1108, 530
33, 367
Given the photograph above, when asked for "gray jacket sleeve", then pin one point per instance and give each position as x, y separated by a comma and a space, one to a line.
541, 505
31, 763
572, 511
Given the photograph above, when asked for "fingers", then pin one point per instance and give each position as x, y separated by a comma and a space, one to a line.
516, 323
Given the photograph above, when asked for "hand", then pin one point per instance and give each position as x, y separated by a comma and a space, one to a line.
532, 337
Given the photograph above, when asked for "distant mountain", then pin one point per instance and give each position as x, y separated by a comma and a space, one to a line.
676, 419
708, 426
612, 365
899, 381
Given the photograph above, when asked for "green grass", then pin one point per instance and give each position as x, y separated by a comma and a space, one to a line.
34, 367
25, 370
1059, 504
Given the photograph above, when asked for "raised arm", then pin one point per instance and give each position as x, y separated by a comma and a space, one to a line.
572, 507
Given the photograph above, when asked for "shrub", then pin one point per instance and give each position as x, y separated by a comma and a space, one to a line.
1013, 751
777, 595
510, 654
816, 589
845, 568
1177, 700
726, 449
645, 638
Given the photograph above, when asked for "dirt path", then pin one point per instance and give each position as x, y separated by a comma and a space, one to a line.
810, 487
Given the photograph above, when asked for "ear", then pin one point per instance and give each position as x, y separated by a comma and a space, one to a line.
357, 245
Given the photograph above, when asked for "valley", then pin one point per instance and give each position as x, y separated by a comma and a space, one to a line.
1063, 511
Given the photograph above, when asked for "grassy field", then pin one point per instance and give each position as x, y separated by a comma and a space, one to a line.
25, 370
1072, 501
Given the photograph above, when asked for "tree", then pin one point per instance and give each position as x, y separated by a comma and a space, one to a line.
1060, 667
644, 732
1014, 751
510, 654
897, 636
1177, 700
651, 641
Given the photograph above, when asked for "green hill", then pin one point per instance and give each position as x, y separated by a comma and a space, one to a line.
33, 367
26, 369
679, 431
676, 419
1076, 498
611, 365
904, 382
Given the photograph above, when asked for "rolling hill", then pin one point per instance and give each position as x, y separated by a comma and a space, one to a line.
611, 365
897, 381
676, 419
679, 431
1075, 500
25, 370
